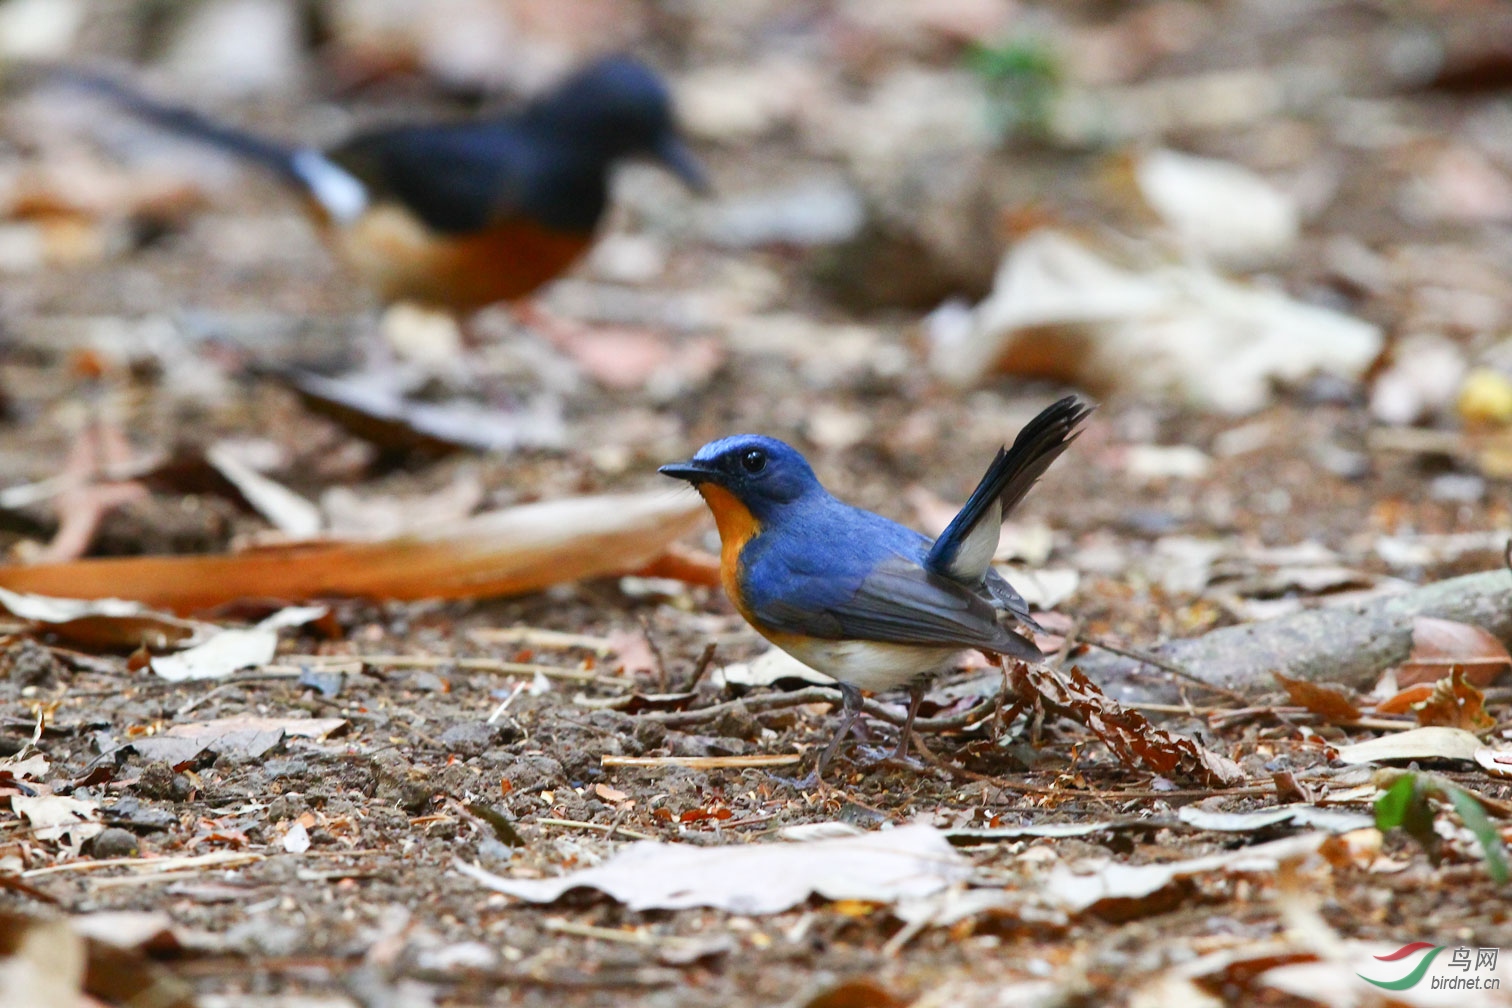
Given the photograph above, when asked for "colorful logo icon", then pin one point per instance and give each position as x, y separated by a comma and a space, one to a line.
1417, 972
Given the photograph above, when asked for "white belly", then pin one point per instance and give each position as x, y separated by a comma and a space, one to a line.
869, 665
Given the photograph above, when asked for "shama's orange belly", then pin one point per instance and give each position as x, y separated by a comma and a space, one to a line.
403, 261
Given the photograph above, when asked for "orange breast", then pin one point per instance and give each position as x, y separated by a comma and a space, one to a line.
404, 261
737, 526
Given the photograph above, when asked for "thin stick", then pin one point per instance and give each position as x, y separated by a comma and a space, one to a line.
1165, 666
701, 762
561, 926
214, 859
704, 661
596, 827
538, 637
504, 706
808, 695
656, 654
465, 664
960, 771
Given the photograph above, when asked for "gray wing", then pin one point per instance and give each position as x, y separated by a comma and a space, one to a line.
1008, 599
896, 603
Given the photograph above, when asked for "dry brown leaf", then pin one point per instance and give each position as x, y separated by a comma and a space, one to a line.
1401, 701
856, 994
1131, 736
1439, 645
610, 794
1454, 703
102, 623
1327, 700
507, 552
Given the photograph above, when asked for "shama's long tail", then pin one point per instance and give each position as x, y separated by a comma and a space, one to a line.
186, 122
340, 193
964, 550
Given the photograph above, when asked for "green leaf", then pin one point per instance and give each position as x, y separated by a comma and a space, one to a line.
1405, 806
1475, 820
1391, 807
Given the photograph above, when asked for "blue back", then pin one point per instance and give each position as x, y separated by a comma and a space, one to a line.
819, 567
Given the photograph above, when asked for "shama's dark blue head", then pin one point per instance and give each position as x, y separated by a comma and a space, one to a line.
617, 107
762, 473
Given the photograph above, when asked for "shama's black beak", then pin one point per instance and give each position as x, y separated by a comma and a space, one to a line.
691, 471
673, 152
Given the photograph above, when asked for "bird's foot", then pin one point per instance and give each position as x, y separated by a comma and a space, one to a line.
875, 756
809, 783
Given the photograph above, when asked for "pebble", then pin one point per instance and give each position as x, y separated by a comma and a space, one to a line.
114, 843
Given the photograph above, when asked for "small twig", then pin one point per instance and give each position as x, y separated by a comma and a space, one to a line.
217, 859
656, 654
1152, 660
619, 817
537, 637
561, 926
597, 827
815, 694
504, 705
961, 772
702, 762
184, 710
465, 664
13, 883
702, 666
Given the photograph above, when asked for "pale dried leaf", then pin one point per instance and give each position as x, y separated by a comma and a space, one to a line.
230, 650
34, 766
1306, 816
882, 867
1061, 309
284, 509
1417, 744
55, 816
244, 737
767, 668
1077, 891
297, 839
1497, 762
1218, 209
45, 967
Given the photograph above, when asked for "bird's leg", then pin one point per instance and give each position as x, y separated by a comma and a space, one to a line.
850, 707
916, 692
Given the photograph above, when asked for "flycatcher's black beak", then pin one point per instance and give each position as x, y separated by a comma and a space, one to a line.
671, 151
690, 471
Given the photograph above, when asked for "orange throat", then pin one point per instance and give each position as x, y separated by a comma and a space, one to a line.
737, 526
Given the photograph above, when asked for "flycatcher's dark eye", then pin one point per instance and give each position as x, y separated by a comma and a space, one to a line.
754, 461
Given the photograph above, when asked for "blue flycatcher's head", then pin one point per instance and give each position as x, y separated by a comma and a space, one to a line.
760, 472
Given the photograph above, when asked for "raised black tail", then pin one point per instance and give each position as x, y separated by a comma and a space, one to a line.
186, 122
961, 554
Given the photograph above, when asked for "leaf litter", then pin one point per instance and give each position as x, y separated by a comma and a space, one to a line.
460, 741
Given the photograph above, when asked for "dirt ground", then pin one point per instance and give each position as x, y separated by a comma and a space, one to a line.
158, 291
